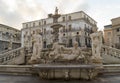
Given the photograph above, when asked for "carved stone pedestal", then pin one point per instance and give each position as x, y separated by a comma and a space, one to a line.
69, 71
97, 60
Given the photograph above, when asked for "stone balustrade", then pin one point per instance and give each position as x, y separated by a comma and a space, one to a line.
10, 55
106, 50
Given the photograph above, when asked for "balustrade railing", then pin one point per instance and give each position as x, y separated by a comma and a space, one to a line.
107, 50
10, 55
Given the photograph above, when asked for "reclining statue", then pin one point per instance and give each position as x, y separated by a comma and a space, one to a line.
71, 53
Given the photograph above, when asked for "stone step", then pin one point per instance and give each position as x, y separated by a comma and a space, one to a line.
17, 69
111, 68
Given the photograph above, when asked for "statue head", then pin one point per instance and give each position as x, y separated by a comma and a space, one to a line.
38, 31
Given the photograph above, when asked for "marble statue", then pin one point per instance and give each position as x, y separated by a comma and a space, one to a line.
37, 46
56, 50
75, 53
71, 53
56, 10
96, 45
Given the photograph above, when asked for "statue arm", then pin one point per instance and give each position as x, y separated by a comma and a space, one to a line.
32, 40
53, 47
66, 49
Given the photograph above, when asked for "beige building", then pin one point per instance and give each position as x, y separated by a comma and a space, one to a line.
9, 37
108, 35
112, 33
75, 26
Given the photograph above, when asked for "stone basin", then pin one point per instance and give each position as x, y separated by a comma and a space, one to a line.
67, 71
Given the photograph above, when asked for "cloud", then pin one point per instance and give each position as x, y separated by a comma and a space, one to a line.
19, 12
15, 12
67, 6
8, 17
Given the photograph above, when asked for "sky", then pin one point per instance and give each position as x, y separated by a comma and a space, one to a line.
15, 12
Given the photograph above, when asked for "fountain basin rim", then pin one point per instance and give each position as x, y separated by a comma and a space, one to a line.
65, 66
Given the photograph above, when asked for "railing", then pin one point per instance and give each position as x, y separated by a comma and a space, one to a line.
10, 55
4, 51
106, 50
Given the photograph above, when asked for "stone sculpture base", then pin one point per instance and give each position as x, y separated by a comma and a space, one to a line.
48, 71
33, 61
96, 60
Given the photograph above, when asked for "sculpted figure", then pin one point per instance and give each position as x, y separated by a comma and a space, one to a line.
37, 46
75, 53
96, 46
56, 50
56, 10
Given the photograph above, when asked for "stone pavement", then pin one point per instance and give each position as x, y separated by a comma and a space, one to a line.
35, 79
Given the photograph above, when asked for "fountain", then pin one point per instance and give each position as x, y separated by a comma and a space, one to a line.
61, 62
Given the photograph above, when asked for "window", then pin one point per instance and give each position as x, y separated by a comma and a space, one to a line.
63, 28
44, 22
119, 39
26, 25
70, 43
109, 33
69, 17
39, 23
118, 29
85, 33
44, 30
85, 26
63, 19
33, 32
33, 24
70, 28
44, 45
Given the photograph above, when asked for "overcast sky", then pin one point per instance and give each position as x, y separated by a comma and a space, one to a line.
16, 12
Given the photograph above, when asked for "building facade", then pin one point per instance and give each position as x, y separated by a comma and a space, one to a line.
9, 38
113, 32
76, 26
108, 35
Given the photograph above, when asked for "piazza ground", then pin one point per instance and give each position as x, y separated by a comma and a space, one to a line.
115, 78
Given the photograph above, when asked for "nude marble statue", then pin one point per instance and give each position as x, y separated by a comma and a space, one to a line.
37, 45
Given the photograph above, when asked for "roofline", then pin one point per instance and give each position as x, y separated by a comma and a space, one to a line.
108, 25
115, 18
9, 27
63, 14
